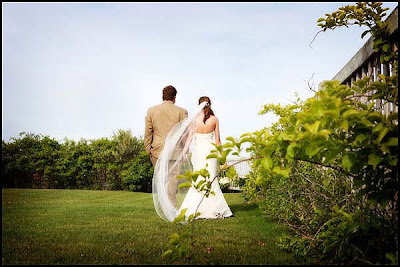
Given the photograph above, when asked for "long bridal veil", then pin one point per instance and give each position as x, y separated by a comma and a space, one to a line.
170, 164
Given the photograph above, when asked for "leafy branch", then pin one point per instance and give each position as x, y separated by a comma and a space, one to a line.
178, 247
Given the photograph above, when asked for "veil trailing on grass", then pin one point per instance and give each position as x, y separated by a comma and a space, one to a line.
167, 198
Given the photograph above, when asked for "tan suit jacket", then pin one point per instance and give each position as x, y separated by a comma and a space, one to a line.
159, 120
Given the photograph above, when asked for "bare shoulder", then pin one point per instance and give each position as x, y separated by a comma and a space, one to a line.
214, 118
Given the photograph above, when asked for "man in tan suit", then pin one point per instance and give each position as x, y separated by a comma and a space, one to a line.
158, 122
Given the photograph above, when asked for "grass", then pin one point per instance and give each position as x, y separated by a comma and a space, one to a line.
41, 226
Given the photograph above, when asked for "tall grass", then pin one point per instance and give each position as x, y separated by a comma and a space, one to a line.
41, 226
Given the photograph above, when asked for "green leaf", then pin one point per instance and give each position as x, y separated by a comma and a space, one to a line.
385, 47
245, 134
331, 155
324, 133
229, 138
231, 172
200, 184
228, 145
345, 125
332, 113
167, 254
267, 163
315, 127
366, 122
179, 218
190, 218
387, 58
359, 139
378, 42
185, 184
290, 150
181, 176
285, 136
283, 172
393, 162
382, 133
311, 151
245, 140
377, 127
347, 162
173, 237
374, 160
385, 148
392, 141
349, 113
210, 156
392, 258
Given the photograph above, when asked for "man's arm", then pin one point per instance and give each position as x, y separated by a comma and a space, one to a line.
148, 132
183, 115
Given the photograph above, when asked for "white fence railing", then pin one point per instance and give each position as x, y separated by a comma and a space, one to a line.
366, 63
242, 168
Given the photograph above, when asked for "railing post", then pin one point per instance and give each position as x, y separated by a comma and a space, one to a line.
367, 62
386, 106
378, 71
364, 73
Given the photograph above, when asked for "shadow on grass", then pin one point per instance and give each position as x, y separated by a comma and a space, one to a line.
243, 207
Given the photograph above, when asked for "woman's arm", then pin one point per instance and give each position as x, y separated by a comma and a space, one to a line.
217, 135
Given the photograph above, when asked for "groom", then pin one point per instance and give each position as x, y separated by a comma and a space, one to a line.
159, 120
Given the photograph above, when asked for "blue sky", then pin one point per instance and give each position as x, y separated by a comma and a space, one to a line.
85, 70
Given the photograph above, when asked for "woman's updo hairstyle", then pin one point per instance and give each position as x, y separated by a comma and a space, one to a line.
207, 108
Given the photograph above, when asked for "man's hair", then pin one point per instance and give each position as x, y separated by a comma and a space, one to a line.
169, 93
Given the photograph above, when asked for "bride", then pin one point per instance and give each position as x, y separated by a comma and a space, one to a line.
200, 131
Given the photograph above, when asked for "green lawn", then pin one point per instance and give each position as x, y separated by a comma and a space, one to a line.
42, 226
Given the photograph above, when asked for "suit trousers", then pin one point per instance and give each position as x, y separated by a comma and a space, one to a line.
172, 181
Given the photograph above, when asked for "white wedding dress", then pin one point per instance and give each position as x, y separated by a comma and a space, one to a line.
213, 206
171, 163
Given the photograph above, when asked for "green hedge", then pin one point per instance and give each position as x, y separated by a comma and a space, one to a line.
37, 161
